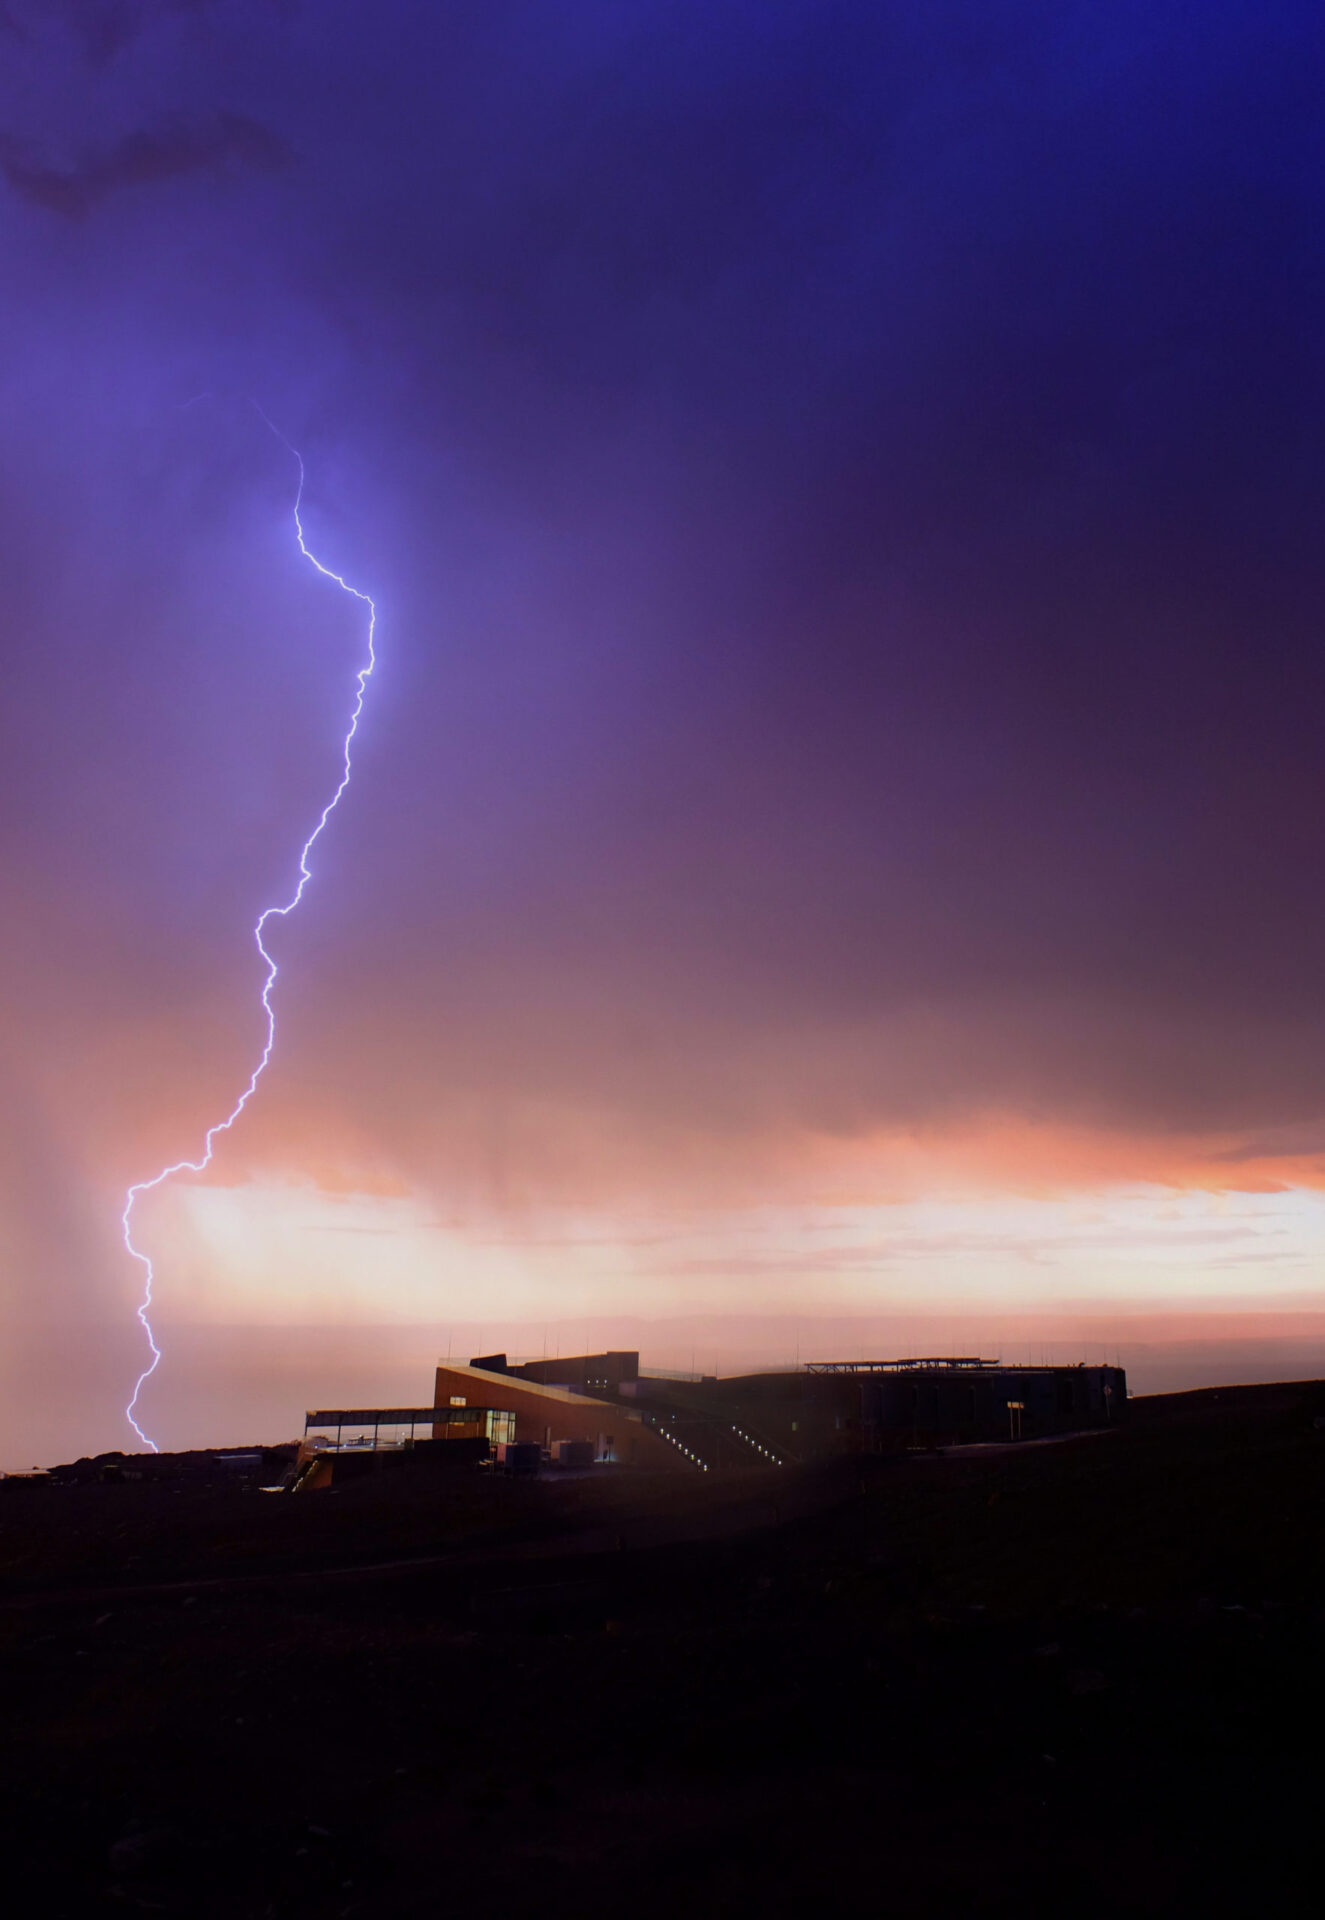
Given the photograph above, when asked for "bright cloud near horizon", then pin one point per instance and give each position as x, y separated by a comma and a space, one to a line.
839, 824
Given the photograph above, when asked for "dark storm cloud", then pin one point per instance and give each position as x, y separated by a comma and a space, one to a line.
1286, 1144
847, 482
101, 28
144, 158
934, 716
104, 26
843, 481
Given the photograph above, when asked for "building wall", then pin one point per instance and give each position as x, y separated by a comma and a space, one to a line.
975, 1405
548, 1414
807, 1415
584, 1372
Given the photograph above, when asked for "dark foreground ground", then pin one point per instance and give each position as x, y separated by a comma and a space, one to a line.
1063, 1680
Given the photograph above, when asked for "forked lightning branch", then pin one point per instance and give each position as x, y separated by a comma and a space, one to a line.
277, 912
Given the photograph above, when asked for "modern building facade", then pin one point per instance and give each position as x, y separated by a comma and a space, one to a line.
883, 1405
813, 1412
588, 1409
549, 1413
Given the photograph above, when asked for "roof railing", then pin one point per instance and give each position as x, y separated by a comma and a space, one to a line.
963, 1363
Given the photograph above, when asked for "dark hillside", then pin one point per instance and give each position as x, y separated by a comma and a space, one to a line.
1070, 1678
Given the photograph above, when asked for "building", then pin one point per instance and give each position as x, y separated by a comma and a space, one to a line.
813, 1412
342, 1443
583, 1373
878, 1406
599, 1408
549, 1412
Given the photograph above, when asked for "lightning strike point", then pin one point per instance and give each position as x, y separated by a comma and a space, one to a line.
277, 912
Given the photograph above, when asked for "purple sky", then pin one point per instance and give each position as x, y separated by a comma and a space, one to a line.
843, 485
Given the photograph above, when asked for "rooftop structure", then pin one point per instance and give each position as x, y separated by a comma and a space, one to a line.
580, 1373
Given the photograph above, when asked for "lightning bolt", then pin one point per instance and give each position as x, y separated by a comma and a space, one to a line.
278, 912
